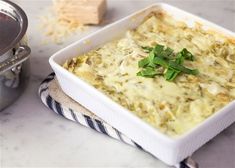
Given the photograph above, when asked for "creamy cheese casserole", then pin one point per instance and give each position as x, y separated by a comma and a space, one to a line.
173, 107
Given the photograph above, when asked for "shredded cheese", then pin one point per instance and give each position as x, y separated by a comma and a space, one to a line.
56, 29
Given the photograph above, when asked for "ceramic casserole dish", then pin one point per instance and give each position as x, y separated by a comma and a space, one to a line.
168, 149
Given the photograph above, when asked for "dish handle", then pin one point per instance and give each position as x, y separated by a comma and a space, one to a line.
188, 163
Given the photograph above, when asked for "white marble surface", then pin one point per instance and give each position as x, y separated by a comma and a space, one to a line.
33, 136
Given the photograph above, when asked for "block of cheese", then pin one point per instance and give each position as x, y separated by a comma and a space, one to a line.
81, 11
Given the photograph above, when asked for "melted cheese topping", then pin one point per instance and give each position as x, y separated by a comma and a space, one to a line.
172, 107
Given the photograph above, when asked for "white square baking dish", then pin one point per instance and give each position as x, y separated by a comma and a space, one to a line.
170, 150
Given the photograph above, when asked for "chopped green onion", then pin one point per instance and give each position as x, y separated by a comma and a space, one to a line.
181, 68
187, 55
147, 49
160, 59
166, 53
179, 58
171, 74
151, 59
148, 72
158, 49
144, 62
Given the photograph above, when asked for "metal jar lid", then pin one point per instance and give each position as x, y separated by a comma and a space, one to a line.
13, 25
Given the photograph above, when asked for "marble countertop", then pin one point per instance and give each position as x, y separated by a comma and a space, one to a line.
33, 136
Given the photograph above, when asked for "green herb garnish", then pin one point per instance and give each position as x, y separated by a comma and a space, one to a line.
147, 49
163, 61
149, 72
